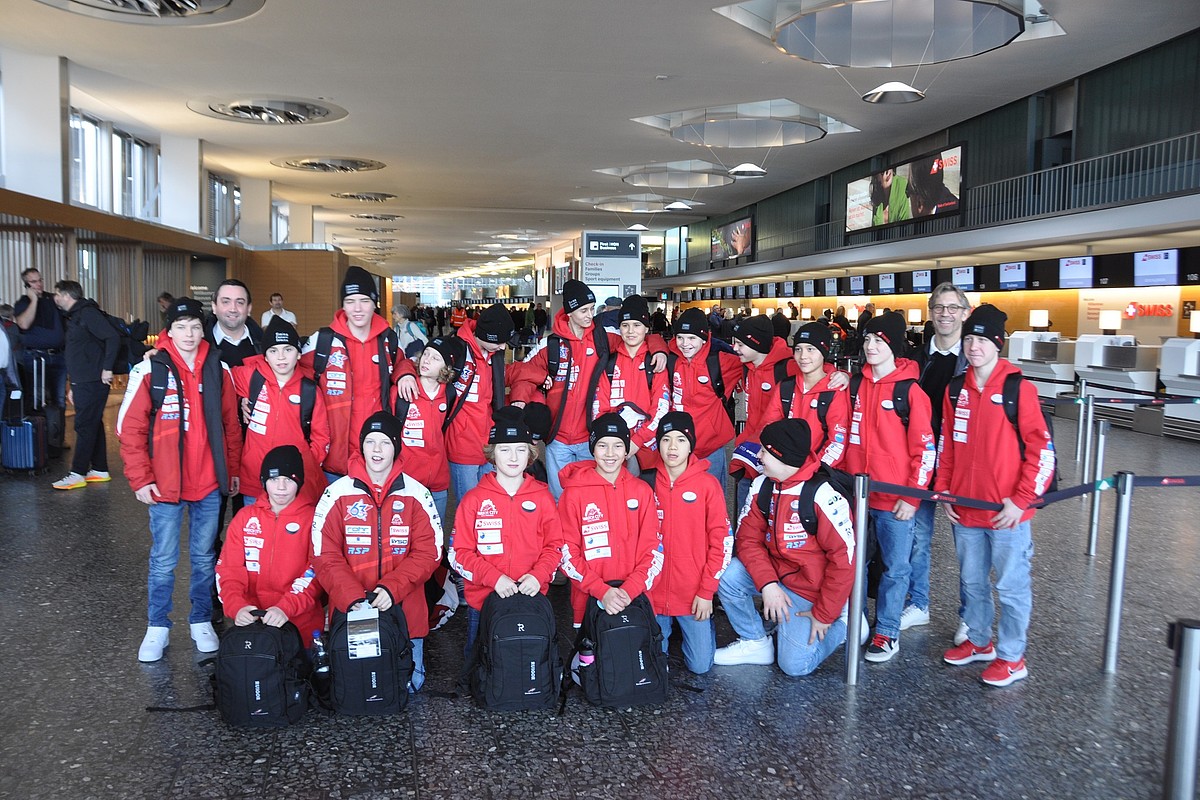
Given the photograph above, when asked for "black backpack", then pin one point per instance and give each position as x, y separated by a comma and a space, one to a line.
629, 667
515, 663
787, 394
387, 347
132, 348
900, 390
308, 399
555, 349
371, 686
839, 480
261, 678
1011, 396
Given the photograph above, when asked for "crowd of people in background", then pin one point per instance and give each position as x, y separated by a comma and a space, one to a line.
607, 456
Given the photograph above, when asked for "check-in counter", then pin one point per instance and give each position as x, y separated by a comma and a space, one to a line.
1180, 373
1117, 366
1044, 358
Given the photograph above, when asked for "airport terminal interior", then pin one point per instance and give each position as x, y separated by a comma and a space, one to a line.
1043, 157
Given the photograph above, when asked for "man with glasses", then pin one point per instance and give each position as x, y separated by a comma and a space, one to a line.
44, 340
940, 359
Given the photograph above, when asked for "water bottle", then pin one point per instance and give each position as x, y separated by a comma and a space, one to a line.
586, 655
320, 655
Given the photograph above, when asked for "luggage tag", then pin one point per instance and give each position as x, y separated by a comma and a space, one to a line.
362, 632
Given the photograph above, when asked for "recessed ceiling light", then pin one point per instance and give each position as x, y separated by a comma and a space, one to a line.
378, 217
504, 258
376, 230
268, 111
336, 164
747, 170
520, 251
364, 197
678, 205
637, 226
162, 12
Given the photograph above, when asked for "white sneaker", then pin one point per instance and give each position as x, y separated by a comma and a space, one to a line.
746, 651
961, 634
72, 480
153, 644
912, 616
97, 476
205, 637
864, 629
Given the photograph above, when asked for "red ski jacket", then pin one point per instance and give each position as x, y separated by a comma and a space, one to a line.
762, 389
692, 391
496, 534
267, 561
635, 383
424, 445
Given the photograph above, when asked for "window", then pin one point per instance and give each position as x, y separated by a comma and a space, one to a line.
279, 223
224, 207
112, 170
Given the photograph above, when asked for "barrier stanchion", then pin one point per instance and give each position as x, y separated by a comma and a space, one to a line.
859, 591
1097, 471
1079, 423
1183, 729
1116, 584
1087, 413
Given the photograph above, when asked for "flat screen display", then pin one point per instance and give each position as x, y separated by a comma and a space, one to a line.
810, 288
922, 281
740, 292
1075, 273
755, 290
963, 278
733, 240
913, 189
1012, 275
831, 287
771, 288
887, 283
857, 285
1156, 268
789, 288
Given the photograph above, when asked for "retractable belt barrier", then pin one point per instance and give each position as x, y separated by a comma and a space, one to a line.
1156, 399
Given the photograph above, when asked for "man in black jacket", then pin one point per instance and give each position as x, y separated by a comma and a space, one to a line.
92, 348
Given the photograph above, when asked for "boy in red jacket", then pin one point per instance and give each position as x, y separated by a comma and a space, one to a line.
609, 522
276, 413
983, 456
267, 561
182, 447
804, 577
882, 446
507, 536
816, 395
696, 539
377, 530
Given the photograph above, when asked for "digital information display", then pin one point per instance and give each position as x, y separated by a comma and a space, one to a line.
1075, 273
963, 278
1012, 275
922, 281
1156, 268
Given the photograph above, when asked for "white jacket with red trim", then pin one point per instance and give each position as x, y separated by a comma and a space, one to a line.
497, 534
365, 536
879, 443
267, 561
610, 533
980, 456
697, 539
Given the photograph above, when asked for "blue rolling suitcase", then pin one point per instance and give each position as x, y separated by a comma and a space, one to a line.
23, 444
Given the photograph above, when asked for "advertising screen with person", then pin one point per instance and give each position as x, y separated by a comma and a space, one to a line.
733, 240
915, 189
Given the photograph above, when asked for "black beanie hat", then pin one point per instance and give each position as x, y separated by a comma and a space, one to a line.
538, 418
385, 423
495, 325
610, 424
692, 322
359, 281
453, 350
279, 331
576, 295
816, 334
789, 440
986, 320
679, 421
184, 308
635, 309
755, 332
781, 325
284, 461
509, 427
891, 328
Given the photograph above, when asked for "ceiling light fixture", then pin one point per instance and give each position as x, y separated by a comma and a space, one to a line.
747, 170
268, 111
761, 123
336, 164
678, 205
892, 93
162, 12
637, 226
378, 217
364, 197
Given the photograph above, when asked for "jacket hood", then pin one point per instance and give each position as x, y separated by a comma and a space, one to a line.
695, 467
905, 369
167, 345
779, 352
341, 326
79, 307
562, 326
357, 468
583, 473
529, 485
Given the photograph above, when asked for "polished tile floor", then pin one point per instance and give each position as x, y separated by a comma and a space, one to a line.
74, 722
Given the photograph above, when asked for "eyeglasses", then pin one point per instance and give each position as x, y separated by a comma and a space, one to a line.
948, 309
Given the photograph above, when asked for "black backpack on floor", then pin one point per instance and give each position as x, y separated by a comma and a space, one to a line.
515, 663
261, 678
371, 686
629, 667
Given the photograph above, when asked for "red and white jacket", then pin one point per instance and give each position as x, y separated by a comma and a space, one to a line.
829, 449
610, 533
496, 534
275, 421
980, 457
697, 539
692, 391
365, 536
817, 565
423, 449
763, 390
267, 561
186, 431
350, 384
879, 443
634, 382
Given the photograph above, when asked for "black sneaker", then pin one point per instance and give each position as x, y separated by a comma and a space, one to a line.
882, 648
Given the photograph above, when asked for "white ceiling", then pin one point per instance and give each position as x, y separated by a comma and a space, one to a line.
491, 116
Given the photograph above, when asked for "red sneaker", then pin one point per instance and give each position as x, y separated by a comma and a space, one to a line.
967, 653
1002, 673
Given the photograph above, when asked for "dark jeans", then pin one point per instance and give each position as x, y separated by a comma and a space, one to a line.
91, 450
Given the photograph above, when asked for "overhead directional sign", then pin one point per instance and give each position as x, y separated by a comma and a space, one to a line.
613, 259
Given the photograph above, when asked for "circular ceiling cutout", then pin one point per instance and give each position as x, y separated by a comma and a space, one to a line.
269, 111
161, 12
334, 164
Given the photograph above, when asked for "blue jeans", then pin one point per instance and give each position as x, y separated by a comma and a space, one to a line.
742, 492
558, 455
464, 478
794, 654
473, 617
895, 547
918, 582
418, 654
1008, 552
718, 466
166, 529
699, 640
439, 502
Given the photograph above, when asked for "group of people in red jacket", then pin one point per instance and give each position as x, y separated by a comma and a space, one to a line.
356, 448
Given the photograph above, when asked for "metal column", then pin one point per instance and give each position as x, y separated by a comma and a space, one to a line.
1116, 584
1183, 729
858, 594
1097, 473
